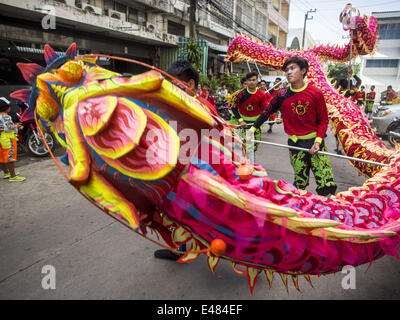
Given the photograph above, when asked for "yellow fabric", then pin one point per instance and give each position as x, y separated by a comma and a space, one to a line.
311, 135
299, 90
249, 119
251, 92
5, 139
253, 129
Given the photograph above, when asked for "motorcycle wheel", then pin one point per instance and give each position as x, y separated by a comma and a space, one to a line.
39, 149
224, 114
392, 139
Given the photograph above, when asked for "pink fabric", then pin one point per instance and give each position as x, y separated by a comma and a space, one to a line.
264, 244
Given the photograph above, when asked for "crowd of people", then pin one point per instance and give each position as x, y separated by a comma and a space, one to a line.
357, 93
304, 116
295, 103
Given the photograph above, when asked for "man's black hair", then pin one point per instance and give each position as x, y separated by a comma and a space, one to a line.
251, 75
3, 106
183, 70
301, 62
243, 80
279, 79
343, 83
263, 81
389, 87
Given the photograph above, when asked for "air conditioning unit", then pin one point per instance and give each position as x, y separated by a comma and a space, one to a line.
89, 8
116, 15
150, 27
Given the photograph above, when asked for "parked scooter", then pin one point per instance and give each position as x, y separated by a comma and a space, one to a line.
224, 109
29, 137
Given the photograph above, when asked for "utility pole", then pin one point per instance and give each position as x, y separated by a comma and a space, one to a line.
192, 20
350, 70
306, 17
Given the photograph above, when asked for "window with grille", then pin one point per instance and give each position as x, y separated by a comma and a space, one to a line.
247, 15
382, 63
222, 15
176, 28
260, 23
136, 16
389, 31
239, 12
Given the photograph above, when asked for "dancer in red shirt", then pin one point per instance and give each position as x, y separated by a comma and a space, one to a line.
359, 97
305, 120
390, 96
370, 99
249, 103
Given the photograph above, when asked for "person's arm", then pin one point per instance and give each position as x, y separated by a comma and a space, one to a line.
322, 123
358, 80
268, 98
233, 103
272, 107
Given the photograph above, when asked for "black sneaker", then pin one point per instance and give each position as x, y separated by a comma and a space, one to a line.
166, 254
269, 130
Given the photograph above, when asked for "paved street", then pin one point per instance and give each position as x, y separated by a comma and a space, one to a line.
44, 221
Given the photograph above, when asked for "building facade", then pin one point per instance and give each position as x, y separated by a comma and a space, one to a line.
383, 68
295, 39
151, 31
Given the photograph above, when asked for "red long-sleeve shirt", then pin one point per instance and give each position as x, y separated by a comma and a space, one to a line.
249, 104
303, 111
274, 91
371, 95
360, 95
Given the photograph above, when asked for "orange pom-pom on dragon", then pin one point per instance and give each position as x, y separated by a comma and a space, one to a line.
124, 153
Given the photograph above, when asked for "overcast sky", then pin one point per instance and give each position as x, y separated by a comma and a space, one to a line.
325, 25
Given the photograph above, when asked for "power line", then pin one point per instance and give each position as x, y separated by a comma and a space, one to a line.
317, 19
219, 8
230, 17
357, 7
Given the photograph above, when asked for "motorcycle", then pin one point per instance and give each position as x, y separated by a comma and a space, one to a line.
29, 137
394, 132
224, 109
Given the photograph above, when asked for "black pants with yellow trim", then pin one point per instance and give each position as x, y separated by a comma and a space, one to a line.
320, 165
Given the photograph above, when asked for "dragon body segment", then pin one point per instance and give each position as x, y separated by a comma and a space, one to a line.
127, 150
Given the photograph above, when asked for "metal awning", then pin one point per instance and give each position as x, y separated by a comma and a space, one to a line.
217, 47
35, 50
100, 60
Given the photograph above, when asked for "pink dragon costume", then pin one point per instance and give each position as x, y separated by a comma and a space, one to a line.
124, 138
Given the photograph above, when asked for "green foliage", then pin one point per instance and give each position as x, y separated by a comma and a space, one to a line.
192, 53
212, 82
339, 71
232, 82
